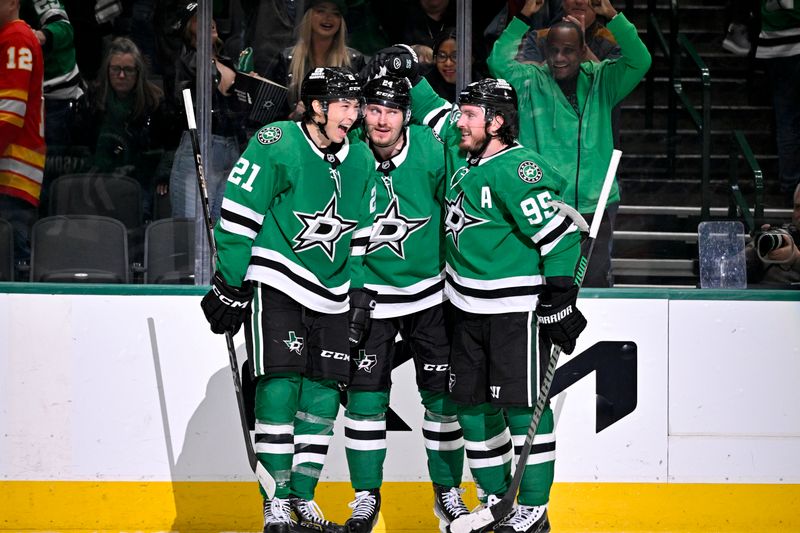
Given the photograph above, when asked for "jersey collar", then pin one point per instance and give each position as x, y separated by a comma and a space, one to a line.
339, 151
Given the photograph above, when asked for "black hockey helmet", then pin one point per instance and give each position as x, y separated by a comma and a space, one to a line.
390, 91
328, 84
496, 97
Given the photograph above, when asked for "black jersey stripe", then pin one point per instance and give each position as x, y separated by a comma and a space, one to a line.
434, 121
488, 454
274, 439
506, 292
778, 41
355, 242
236, 218
257, 260
407, 298
357, 434
442, 435
555, 233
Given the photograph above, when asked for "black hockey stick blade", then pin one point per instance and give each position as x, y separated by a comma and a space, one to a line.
266, 481
489, 515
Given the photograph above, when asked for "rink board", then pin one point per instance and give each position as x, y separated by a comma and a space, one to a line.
117, 412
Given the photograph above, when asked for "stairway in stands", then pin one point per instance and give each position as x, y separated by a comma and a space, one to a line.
655, 239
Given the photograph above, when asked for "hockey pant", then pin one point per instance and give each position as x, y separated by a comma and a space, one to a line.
490, 440
294, 427
365, 438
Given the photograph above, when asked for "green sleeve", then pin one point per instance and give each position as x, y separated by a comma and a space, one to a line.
430, 109
501, 61
621, 76
59, 34
256, 180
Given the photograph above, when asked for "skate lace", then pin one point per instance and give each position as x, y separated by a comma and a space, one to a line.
453, 503
309, 510
278, 511
524, 517
363, 506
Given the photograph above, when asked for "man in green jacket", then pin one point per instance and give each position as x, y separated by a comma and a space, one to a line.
565, 109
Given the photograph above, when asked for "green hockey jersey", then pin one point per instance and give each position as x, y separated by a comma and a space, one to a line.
289, 213
62, 80
503, 236
403, 251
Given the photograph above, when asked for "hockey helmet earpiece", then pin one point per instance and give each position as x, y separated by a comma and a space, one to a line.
390, 91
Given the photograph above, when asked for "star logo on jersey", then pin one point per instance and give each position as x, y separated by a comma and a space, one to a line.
269, 135
366, 361
391, 229
323, 228
529, 172
456, 219
294, 343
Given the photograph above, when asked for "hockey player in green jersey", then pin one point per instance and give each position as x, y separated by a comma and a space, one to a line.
401, 272
291, 206
511, 257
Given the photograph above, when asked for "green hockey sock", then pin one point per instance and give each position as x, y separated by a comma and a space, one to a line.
276, 403
540, 467
313, 430
444, 440
488, 443
365, 437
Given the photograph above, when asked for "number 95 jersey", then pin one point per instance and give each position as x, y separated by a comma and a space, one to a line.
289, 213
501, 232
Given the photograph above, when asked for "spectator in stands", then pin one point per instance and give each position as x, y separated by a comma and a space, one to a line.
781, 264
443, 76
126, 121
321, 42
573, 99
424, 22
22, 145
599, 41
63, 86
779, 47
269, 29
227, 124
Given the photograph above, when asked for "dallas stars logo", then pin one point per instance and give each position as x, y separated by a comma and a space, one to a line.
391, 229
294, 343
366, 361
457, 219
323, 228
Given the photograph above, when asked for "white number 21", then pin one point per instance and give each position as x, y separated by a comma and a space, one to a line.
240, 169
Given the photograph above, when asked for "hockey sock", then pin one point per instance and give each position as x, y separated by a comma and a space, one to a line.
313, 430
488, 443
276, 403
365, 437
444, 440
540, 467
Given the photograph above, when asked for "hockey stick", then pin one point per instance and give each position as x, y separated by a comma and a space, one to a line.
264, 478
492, 514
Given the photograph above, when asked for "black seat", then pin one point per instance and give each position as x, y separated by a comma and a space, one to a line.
107, 195
6, 251
79, 249
169, 251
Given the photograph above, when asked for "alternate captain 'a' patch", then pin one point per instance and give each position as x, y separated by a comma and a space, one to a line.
529, 172
269, 135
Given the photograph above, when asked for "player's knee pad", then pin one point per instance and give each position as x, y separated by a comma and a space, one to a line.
367, 404
438, 403
277, 398
519, 419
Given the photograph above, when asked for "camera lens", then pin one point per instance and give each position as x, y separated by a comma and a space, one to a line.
768, 242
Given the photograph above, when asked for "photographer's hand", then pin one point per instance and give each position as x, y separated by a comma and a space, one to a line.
786, 254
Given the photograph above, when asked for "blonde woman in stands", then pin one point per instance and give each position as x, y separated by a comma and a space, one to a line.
321, 42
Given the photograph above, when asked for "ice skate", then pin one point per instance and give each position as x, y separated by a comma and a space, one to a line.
525, 519
277, 516
309, 518
365, 507
447, 505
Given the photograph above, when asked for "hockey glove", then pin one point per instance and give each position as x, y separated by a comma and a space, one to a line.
559, 317
398, 60
226, 307
362, 302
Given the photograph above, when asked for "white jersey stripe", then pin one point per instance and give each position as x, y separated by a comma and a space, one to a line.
239, 209
444, 445
502, 283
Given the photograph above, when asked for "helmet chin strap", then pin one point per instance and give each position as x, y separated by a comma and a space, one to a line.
321, 127
488, 136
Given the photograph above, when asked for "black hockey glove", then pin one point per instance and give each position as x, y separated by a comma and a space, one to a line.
226, 307
559, 318
398, 60
362, 302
